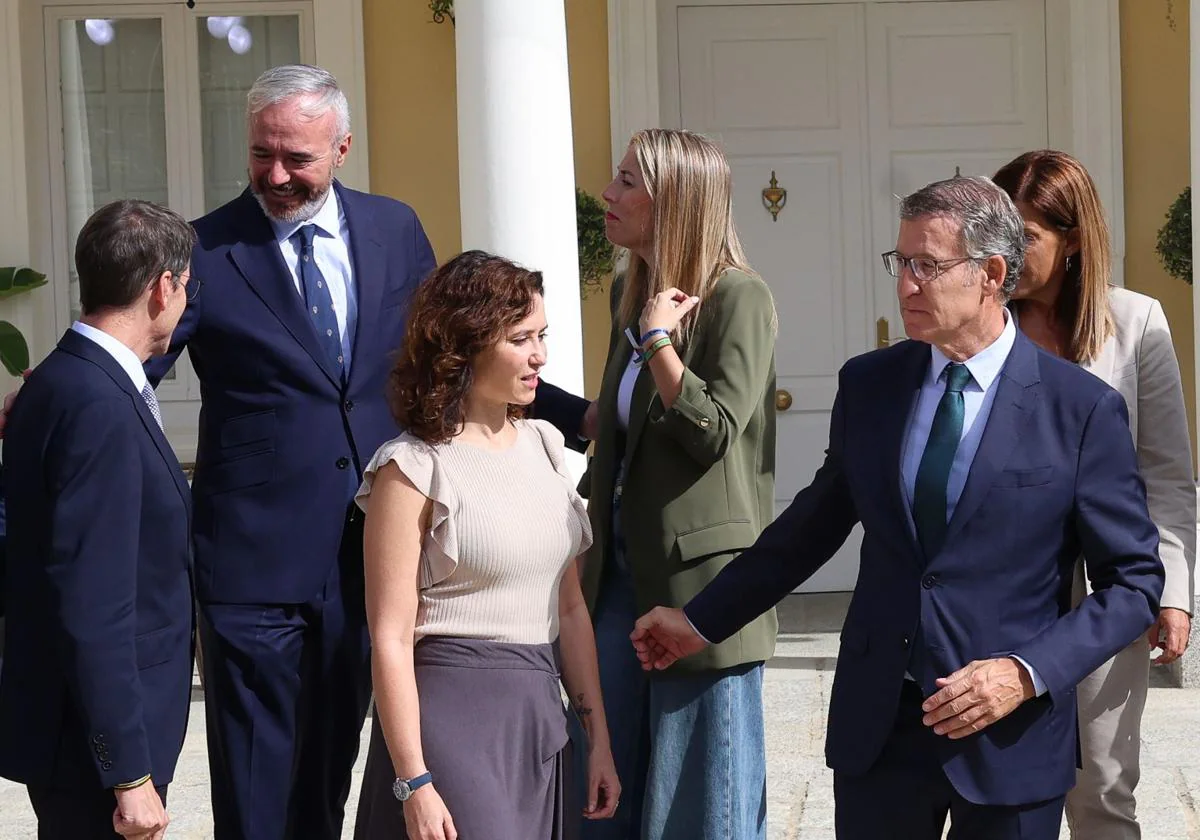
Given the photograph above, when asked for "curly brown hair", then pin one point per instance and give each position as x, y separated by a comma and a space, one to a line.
461, 310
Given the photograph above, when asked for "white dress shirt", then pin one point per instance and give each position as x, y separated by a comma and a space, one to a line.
121, 354
331, 251
978, 396
629, 377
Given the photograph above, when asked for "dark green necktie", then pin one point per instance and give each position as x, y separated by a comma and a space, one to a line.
929, 495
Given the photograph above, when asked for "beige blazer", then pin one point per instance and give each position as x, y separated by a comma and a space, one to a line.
1138, 360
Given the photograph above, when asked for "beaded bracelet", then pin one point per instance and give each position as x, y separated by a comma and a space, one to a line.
655, 347
651, 333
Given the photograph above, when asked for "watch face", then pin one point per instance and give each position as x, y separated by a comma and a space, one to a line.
401, 790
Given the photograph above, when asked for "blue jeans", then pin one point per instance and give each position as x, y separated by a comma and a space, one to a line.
689, 747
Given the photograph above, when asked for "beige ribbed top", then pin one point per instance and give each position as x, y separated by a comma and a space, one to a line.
505, 526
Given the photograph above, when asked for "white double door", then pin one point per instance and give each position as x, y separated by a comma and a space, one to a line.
848, 105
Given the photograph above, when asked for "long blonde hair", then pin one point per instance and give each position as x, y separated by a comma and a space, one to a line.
695, 241
1059, 188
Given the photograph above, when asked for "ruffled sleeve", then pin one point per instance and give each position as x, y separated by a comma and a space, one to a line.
420, 464
552, 441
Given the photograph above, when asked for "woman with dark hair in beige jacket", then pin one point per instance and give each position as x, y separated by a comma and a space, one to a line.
1066, 304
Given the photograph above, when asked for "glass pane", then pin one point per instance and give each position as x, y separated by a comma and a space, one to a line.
114, 119
233, 52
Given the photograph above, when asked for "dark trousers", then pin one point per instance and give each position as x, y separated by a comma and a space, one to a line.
906, 795
286, 694
75, 814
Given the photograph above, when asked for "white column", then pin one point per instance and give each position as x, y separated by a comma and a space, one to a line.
515, 155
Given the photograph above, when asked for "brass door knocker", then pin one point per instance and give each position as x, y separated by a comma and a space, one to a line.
774, 198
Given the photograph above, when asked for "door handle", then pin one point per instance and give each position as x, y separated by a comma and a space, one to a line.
882, 335
783, 400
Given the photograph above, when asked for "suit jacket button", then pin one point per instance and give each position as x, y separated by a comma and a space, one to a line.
106, 765
97, 739
342, 463
906, 642
929, 581
349, 405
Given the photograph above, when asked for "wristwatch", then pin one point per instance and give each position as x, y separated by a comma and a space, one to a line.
402, 789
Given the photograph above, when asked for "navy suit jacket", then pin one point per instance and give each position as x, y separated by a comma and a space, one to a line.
564, 411
282, 440
1055, 476
98, 656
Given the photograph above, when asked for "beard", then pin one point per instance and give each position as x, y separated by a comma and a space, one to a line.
311, 199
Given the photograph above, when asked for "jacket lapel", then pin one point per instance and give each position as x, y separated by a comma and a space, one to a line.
368, 257
256, 256
1016, 398
75, 344
899, 395
644, 393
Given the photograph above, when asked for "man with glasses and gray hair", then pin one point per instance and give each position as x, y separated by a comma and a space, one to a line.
980, 468
97, 672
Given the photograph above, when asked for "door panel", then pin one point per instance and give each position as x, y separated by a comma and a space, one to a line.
849, 105
784, 89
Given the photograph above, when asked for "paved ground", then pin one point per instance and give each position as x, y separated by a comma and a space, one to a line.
799, 787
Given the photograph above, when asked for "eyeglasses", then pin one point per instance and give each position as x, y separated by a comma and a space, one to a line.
925, 269
191, 285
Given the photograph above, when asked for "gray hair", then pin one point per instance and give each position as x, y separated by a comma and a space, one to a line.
315, 84
988, 220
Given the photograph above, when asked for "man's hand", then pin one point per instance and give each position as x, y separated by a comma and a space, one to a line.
140, 814
9, 399
663, 636
976, 696
1170, 634
590, 427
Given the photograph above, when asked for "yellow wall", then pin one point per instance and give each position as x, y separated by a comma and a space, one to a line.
413, 124
1154, 101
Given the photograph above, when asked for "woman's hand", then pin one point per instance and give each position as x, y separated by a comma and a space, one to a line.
604, 788
426, 817
665, 310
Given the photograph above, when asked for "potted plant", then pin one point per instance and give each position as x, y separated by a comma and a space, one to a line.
595, 251
14, 350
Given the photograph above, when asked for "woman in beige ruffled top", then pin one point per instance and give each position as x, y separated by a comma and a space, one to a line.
473, 598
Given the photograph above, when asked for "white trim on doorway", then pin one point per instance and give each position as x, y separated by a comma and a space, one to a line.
1083, 96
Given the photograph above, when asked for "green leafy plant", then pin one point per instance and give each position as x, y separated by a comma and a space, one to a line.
14, 350
1174, 245
595, 251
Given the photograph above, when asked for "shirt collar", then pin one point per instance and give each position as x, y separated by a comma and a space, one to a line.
985, 365
123, 356
327, 219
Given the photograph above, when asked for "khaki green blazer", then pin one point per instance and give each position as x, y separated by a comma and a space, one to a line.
699, 479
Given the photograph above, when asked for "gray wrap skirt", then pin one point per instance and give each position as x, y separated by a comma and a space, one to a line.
494, 735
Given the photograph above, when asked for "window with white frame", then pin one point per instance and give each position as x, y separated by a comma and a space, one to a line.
148, 102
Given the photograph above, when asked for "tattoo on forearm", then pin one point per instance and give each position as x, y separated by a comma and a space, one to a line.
581, 708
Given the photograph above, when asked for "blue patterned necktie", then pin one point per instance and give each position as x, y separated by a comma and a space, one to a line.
152, 403
317, 299
929, 495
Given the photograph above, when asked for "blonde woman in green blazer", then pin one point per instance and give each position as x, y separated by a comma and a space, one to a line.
682, 479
